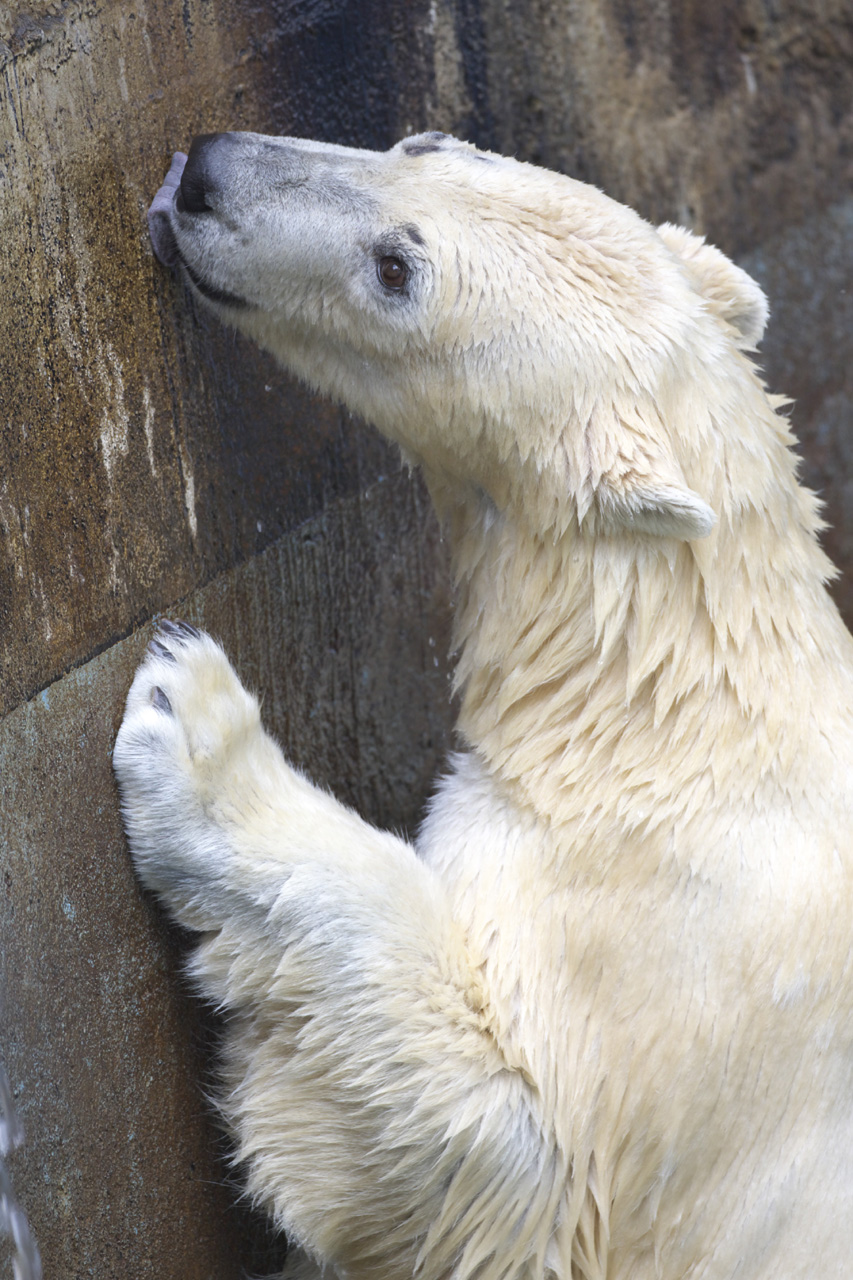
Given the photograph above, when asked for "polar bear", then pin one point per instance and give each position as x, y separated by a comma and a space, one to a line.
597, 1022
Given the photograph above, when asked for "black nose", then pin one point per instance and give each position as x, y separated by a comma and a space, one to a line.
197, 181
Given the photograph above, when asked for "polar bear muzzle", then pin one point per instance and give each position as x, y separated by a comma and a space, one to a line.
185, 193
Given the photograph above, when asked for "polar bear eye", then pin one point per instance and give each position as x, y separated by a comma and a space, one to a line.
392, 273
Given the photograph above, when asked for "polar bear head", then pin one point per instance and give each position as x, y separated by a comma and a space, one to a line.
508, 326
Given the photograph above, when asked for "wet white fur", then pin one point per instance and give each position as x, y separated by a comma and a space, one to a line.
598, 1023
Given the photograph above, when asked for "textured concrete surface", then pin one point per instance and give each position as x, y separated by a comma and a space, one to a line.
144, 448
689, 111
152, 462
807, 272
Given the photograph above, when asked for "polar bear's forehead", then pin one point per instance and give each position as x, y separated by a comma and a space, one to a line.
437, 160
443, 177
420, 169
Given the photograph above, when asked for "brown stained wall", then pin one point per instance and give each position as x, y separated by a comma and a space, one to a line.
150, 461
143, 448
735, 117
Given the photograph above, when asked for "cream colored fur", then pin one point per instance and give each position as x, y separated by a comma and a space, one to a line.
598, 1023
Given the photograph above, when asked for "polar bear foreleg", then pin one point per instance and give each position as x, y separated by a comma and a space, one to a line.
376, 1115
215, 816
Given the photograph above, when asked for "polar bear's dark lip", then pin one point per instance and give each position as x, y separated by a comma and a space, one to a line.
209, 291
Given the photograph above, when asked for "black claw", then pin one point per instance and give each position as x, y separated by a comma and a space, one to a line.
180, 630
160, 701
160, 651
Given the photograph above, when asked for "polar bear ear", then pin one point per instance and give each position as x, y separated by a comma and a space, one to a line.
663, 510
729, 291
631, 480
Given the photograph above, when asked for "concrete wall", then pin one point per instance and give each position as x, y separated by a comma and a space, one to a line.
152, 462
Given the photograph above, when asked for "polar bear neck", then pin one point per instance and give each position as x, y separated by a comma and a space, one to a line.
668, 666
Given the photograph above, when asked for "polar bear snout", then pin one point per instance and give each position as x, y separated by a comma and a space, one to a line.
199, 176
213, 217
232, 174
211, 173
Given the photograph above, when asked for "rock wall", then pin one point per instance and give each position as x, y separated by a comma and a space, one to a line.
152, 462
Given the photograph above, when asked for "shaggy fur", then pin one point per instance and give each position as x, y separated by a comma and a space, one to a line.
598, 1023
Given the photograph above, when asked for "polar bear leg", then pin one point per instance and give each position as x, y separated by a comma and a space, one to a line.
376, 1115
215, 816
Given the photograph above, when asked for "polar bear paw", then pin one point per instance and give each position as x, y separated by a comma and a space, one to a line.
182, 756
187, 695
